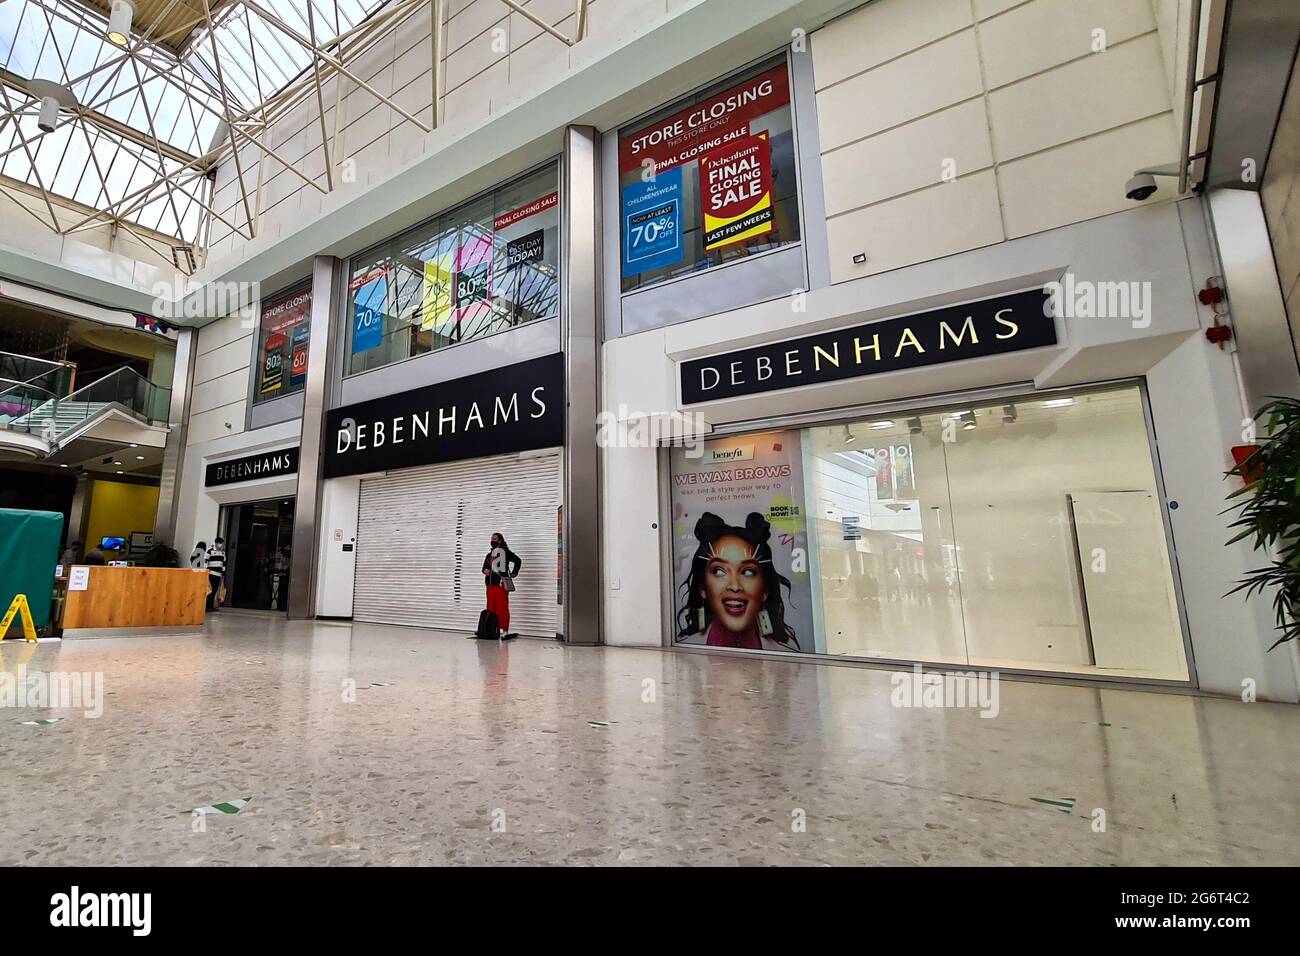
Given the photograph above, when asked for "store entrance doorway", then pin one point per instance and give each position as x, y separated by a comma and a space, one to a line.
259, 536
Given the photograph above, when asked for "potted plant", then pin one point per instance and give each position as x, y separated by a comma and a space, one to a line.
1269, 515
162, 556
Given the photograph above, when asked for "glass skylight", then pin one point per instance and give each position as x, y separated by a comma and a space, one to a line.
135, 150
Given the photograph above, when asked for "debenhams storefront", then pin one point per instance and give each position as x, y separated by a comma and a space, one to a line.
965, 476
1021, 530
927, 464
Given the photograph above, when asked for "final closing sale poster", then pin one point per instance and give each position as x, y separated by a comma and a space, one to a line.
740, 544
736, 191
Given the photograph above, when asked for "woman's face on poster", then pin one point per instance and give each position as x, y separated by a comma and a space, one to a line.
734, 591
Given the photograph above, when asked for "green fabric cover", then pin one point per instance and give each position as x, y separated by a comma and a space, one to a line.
29, 552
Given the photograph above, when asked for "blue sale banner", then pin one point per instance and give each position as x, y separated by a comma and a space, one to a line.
652, 223
368, 315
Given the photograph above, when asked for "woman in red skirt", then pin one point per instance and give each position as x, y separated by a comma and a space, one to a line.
499, 570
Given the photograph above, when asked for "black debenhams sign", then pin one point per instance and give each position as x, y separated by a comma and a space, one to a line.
516, 408
271, 464
1008, 323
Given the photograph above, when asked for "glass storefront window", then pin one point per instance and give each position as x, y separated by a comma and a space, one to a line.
485, 267
284, 330
709, 180
1025, 533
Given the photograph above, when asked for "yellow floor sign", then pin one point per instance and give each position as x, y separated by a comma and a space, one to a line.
19, 606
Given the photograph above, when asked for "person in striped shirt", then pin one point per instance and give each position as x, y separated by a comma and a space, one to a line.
216, 572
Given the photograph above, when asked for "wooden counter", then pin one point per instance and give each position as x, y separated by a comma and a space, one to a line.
137, 598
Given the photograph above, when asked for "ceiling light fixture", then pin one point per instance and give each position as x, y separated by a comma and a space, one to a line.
1058, 403
1009, 414
119, 22
139, 457
968, 421
849, 437
53, 98
914, 425
887, 423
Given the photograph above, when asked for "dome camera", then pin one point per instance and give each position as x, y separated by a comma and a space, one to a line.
1143, 184
1141, 187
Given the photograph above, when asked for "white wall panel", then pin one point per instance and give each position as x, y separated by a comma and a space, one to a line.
991, 8
221, 361
1063, 30
857, 41
1079, 98
223, 332
1018, 90
206, 426
930, 79
907, 158
934, 222
1096, 169
223, 390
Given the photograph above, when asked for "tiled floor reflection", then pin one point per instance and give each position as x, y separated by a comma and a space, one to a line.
612, 756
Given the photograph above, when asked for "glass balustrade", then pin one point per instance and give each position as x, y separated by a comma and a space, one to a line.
31, 408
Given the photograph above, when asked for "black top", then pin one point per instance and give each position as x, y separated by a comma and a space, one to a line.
513, 564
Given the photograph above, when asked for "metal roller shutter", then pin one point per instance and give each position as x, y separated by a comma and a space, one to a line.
422, 534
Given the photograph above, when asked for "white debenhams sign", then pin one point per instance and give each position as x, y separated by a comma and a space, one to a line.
517, 407
271, 464
354, 436
1008, 323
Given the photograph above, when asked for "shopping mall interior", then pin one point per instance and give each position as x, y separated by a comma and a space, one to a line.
636, 433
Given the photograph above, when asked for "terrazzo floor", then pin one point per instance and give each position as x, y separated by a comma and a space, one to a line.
453, 751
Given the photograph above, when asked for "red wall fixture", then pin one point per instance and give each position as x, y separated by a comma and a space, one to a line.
1242, 452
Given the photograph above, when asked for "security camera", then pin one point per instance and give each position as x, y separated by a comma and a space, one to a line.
1143, 184
1140, 187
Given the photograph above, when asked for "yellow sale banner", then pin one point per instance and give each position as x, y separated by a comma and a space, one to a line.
436, 309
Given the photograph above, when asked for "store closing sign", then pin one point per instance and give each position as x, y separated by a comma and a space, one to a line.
659, 163
286, 324
708, 125
1008, 323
